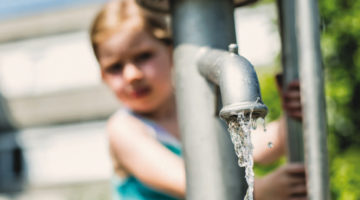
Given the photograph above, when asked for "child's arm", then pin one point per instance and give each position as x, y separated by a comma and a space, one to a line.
276, 131
265, 153
144, 157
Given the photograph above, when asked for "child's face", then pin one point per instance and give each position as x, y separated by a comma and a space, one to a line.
137, 68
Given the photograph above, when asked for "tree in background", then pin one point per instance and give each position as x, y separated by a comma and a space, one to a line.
340, 41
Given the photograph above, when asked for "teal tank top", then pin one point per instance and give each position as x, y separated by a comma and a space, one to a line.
130, 188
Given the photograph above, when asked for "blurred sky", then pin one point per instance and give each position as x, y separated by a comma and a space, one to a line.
20, 8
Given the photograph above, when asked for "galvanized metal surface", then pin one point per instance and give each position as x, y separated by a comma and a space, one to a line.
237, 79
290, 65
313, 99
163, 5
211, 164
212, 172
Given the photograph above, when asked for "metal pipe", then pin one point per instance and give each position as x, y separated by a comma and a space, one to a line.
290, 65
212, 172
238, 82
313, 99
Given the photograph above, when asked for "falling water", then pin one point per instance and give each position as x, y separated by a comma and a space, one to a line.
240, 131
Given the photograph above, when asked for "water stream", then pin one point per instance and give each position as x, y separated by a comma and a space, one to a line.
240, 132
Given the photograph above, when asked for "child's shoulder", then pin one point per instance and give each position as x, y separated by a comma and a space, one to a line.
129, 138
123, 124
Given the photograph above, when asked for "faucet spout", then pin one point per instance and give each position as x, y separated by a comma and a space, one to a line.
238, 82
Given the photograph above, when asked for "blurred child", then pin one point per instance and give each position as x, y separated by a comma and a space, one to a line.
134, 50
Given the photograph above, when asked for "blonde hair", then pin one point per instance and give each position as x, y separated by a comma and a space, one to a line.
118, 15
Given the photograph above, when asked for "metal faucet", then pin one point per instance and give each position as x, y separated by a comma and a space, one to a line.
237, 79
203, 30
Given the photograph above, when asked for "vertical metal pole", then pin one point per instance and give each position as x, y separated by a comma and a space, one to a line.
313, 97
289, 55
212, 172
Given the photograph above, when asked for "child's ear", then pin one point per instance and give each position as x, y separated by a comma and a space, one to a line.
102, 74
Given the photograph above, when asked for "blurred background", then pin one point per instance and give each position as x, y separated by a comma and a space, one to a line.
53, 106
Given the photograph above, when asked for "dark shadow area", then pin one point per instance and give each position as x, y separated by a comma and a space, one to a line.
12, 166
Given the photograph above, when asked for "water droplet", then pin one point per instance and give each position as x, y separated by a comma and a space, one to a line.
264, 125
270, 145
253, 124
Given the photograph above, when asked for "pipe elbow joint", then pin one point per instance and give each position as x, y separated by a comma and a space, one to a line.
238, 82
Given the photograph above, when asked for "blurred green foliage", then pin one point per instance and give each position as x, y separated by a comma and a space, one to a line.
340, 40
346, 175
340, 44
269, 93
